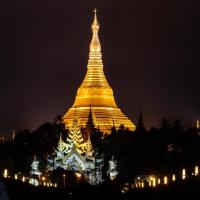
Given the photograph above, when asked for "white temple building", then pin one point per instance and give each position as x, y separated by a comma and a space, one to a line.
77, 155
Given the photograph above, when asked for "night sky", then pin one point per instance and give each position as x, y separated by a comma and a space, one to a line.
151, 54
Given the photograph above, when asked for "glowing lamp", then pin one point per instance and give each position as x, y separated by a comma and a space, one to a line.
150, 184
154, 182
78, 175
16, 176
196, 170
183, 174
165, 180
5, 173
173, 177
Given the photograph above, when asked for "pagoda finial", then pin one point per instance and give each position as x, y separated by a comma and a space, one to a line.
95, 46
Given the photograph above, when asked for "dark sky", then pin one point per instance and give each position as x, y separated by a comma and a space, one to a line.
151, 53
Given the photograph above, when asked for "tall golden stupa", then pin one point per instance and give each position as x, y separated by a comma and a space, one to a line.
96, 94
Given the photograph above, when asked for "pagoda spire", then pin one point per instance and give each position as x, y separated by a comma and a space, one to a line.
96, 90
95, 46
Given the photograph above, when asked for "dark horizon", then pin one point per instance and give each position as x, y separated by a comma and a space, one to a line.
150, 54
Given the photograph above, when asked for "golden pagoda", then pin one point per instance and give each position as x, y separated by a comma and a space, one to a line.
96, 94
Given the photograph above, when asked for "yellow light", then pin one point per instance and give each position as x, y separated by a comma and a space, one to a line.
51, 184
64, 180
196, 170
165, 180
55, 185
150, 184
23, 179
154, 182
44, 183
78, 175
96, 91
142, 185
16, 176
183, 174
5, 173
173, 177
43, 178
159, 181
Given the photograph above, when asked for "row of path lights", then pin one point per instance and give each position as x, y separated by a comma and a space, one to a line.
31, 181
153, 181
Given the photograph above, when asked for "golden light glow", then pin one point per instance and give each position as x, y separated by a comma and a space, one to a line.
78, 175
154, 182
95, 91
183, 174
150, 184
142, 184
173, 177
165, 180
23, 179
196, 170
197, 123
159, 181
5, 173
16, 176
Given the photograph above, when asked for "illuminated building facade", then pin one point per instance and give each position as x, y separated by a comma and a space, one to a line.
96, 92
78, 156
112, 171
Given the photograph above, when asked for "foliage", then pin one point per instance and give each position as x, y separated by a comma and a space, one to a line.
165, 148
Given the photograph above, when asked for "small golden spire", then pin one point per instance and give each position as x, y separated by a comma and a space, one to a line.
95, 46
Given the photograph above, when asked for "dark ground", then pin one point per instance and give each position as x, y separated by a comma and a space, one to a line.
188, 189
